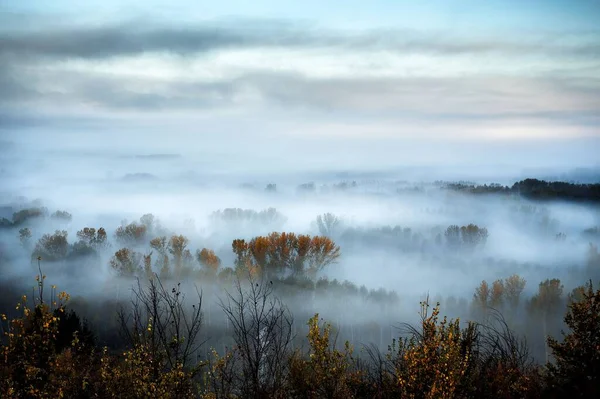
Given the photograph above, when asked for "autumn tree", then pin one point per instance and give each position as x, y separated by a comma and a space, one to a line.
126, 262
321, 253
131, 234
481, 298
177, 247
497, 294
278, 253
208, 260
433, 361
326, 372
36, 345
576, 367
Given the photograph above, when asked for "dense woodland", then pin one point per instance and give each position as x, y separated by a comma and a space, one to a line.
244, 318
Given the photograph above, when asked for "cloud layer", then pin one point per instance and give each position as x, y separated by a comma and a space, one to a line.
417, 80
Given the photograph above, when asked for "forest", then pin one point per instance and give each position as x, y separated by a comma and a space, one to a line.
355, 288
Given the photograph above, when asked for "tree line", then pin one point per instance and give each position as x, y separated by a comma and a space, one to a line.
48, 351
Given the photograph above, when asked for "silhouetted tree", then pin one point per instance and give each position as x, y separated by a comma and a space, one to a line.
262, 331
576, 368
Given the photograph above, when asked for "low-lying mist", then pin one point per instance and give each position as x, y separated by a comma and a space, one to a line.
401, 237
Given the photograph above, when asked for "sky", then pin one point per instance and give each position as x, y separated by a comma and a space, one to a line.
379, 82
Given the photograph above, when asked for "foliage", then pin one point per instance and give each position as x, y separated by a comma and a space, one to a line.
126, 263
208, 260
326, 372
62, 215
131, 234
96, 239
25, 236
280, 252
468, 237
576, 367
52, 247
433, 362
24, 215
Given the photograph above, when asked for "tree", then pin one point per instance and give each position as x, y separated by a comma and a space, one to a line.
177, 246
149, 221
96, 239
434, 360
148, 266
481, 297
162, 263
547, 303
131, 234
36, 343
25, 237
473, 235
24, 215
549, 296
452, 235
497, 294
322, 252
280, 252
328, 224
262, 331
62, 216
513, 287
576, 368
126, 263
208, 260
160, 322
326, 372
593, 261
52, 247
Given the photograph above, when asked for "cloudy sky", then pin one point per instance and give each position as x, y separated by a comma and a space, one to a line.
377, 77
